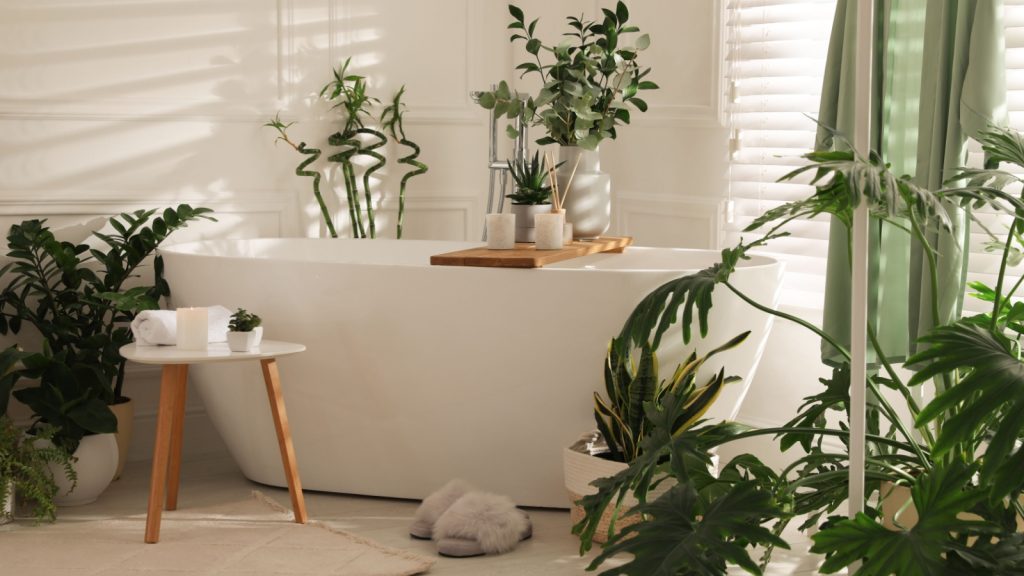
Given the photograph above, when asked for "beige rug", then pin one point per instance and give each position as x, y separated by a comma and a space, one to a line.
253, 536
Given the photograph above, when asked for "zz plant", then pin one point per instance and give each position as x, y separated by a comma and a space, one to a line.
81, 298
588, 84
349, 94
960, 454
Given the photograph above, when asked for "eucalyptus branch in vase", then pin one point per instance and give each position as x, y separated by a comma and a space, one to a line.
391, 119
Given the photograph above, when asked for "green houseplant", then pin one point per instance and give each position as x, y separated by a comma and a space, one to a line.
244, 331
532, 193
960, 455
28, 468
81, 299
590, 82
349, 93
632, 385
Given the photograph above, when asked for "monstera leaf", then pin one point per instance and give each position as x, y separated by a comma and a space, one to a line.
939, 496
685, 534
989, 395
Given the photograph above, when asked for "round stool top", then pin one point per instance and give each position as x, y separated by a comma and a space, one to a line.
215, 352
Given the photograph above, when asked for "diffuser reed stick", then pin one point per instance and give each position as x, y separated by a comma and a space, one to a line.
568, 185
556, 200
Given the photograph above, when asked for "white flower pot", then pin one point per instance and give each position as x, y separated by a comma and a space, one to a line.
524, 213
125, 414
588, 203
245, 341
95, 462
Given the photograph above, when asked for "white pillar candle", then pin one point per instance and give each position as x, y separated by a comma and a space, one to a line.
567, 233
549, 230
193, 328
501, 231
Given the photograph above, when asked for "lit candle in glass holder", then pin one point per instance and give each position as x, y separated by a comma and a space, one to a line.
193, 328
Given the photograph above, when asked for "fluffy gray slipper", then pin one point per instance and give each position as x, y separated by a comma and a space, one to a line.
479, 524
434, 506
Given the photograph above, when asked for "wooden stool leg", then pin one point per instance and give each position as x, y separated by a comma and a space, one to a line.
173, 379
177, 428
284, 438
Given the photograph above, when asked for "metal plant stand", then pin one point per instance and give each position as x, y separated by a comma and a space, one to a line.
498, 178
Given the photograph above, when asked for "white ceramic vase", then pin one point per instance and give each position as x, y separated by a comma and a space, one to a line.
588, 204
245, 341
95, 464
525, 231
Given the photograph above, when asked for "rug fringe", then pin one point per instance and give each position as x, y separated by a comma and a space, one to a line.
412, 556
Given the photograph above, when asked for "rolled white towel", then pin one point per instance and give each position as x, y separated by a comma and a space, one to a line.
159, 327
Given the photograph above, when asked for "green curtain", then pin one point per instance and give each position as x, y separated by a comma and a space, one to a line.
939, 77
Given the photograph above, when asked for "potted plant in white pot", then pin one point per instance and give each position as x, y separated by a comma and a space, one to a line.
28, 471
588, 87
532, 194
76, 297
244, 331
633, 390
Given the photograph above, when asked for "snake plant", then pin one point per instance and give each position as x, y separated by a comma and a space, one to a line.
631, 389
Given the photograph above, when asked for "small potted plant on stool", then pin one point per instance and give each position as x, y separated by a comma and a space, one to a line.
244, 331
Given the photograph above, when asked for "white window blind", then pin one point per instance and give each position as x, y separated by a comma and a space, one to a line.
775, 60
984, 266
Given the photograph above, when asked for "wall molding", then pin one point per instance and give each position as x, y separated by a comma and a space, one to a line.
283, 204
469, 207
710, 211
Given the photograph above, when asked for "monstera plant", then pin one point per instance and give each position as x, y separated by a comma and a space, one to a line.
960, 456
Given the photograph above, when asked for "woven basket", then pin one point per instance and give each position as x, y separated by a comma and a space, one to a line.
603, 531
582, 469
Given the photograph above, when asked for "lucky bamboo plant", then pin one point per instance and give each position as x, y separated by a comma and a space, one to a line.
960, 455
349, 94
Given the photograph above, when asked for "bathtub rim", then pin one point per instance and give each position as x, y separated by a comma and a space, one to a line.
755, 262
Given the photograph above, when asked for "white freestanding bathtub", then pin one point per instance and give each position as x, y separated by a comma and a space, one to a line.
417, 374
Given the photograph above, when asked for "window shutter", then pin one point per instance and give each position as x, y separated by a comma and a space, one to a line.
775, 62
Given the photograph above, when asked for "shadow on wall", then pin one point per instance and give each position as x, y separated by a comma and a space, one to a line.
166, 100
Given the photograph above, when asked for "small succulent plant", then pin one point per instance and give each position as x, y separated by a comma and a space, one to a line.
532, 181
244, 321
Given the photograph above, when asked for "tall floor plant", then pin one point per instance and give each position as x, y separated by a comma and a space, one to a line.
960, 455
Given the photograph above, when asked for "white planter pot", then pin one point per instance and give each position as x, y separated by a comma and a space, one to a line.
245, 341
125, 414
588, 203
95, 462
525, 231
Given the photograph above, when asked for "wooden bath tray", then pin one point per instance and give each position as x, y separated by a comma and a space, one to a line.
526, 256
